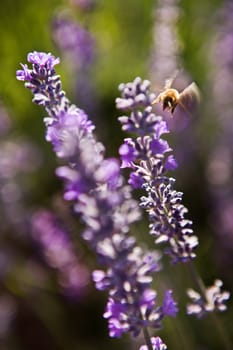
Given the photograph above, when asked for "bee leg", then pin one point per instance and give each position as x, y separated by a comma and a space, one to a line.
173, 108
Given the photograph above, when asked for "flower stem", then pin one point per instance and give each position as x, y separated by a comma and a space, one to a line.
197, 279
219, 326
147, 338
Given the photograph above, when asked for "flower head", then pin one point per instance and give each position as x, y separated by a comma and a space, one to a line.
42, 59
157, 344
214, 300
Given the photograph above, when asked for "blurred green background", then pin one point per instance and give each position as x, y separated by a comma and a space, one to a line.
123, 34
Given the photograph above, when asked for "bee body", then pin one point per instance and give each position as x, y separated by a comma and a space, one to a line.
187, 99
169, 99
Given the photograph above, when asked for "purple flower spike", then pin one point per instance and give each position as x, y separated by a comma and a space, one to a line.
149, 158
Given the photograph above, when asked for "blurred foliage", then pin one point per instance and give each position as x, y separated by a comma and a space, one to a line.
123, 31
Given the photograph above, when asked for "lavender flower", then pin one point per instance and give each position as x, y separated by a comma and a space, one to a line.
57, 250
149, 157
104, 204
164, 59
77, 45
18, 158
213, 300
220, 165
73, 40
157, 344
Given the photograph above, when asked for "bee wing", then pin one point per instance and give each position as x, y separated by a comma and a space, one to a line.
169, 81
190, 98
157, 99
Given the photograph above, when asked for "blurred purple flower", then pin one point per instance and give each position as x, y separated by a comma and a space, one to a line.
220, 165
78, 47
5, 122
18, 158
58, 251
74, 40
164, 60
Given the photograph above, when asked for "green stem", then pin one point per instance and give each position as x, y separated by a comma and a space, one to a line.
197, 280
221, 330
147, 338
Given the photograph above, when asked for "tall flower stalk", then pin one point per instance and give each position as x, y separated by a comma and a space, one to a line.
105, 205
149, 158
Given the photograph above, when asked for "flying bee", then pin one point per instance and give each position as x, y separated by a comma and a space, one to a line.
170, 98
